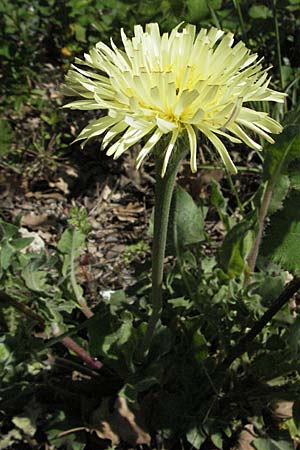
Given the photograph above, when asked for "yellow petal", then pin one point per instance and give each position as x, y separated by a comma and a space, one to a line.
193, 147
169, 151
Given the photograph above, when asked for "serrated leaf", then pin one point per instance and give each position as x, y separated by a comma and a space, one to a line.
279, 192
294, 174
180, 302
282, 240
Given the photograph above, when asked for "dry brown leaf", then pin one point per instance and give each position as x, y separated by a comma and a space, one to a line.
119, 423
129, 213
38, 195
283, 410
33, 220
247, 435
61, 185
72, 172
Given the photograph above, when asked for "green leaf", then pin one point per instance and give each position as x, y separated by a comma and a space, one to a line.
260, 12
8, 230
118, 338
6, 136
71, 241
294, 174
286, 149
219, 202
268, 287
70, 245
293, 338
116, 301
186, 221
195, 437
110, 337
282, 240
180, 302
21, 243
217, 439
4, 353
25, 424
296, 413
35, 279
237, 245
266, 443
161, 342
197, 10
200, 346
6, 253
80, 32
279, 193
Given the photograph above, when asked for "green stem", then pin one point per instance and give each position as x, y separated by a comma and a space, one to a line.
279, 56
163, 195
262, 214
221, 167
233, 188
278, 43
241, 19
263, 211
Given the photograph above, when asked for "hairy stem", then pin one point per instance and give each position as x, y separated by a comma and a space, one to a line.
163, 195
263, 211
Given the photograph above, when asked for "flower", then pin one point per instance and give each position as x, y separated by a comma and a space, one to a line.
173, 84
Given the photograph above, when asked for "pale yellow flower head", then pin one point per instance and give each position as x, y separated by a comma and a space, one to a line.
170, 84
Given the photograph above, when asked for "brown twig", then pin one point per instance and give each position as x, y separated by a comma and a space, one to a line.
86, 357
